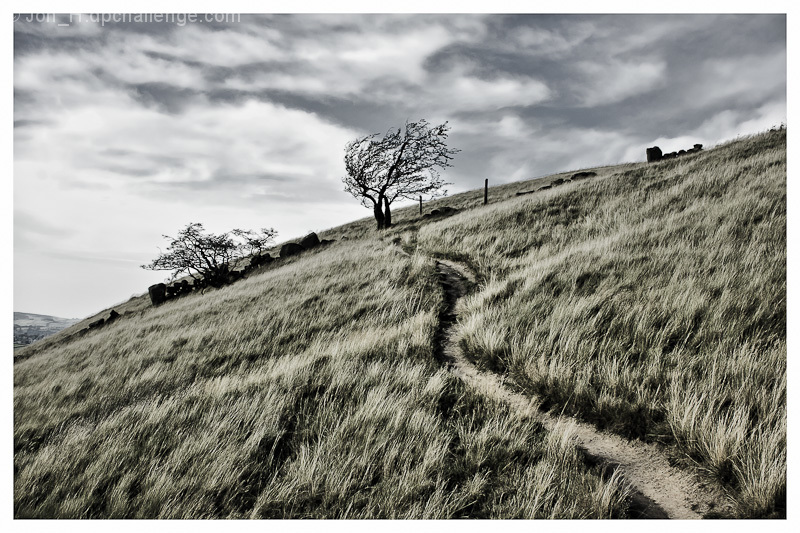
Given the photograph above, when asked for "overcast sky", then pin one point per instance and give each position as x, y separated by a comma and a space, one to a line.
126, 131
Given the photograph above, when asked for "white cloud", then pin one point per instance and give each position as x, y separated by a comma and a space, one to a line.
742, 79
724, 126
466, 93
614, 80
68, 75
500, 130
345, 64
632, 33
380, 65
551, 43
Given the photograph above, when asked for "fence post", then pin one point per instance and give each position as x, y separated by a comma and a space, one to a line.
486, 191
420, 205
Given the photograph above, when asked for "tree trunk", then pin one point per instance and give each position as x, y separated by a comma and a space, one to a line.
379, 218
387, 213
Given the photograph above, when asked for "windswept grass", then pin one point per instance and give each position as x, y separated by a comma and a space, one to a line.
308, 390
651, 301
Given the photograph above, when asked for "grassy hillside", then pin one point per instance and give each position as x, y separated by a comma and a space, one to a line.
650, 300
309, 390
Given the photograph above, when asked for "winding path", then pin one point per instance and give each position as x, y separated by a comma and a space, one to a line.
658, 489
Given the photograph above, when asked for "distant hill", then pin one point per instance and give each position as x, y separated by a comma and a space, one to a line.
30, 327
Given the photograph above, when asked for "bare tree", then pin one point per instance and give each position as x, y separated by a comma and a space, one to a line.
207, 256
402, 164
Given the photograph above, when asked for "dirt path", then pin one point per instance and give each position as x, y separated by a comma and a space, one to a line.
659, 490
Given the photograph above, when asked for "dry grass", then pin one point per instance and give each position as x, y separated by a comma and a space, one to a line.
651, 301
308, 390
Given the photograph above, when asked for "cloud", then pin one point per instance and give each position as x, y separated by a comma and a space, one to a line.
233, 46
720, 127
547, 42
206, 147
462, 92
29, 228
345, 64
744, 80
613, 81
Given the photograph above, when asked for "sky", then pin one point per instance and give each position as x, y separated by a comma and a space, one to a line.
126, 130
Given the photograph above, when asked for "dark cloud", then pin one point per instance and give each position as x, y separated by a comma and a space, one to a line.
163, 96
29, 123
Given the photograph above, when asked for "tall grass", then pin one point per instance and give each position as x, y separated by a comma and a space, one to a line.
651, 300
308, 390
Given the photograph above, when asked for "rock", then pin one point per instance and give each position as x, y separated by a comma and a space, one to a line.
112, 316
524, 192
441, 211
261, 259
681, 152
653, 154
183, 288
544, 188
96, 324
309, 241
326, 241
291, 248
556, 183
583, 175
696, 148
567, 181
158, 293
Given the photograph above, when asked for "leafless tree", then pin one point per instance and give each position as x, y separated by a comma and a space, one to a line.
402, 164
209, 257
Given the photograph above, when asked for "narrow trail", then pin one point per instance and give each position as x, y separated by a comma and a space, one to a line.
658, 489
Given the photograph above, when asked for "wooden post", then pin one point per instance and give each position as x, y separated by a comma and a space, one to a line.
420, 205
486, 191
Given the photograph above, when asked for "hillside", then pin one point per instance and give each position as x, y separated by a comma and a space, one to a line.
649, 300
